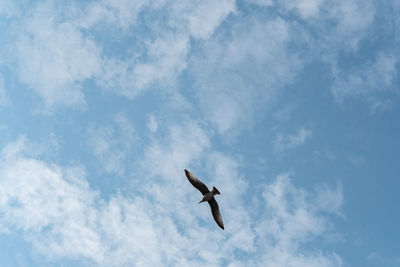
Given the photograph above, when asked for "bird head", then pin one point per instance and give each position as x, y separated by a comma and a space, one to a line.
215, 191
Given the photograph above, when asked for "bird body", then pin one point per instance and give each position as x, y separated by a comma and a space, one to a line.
210, 195
207, 196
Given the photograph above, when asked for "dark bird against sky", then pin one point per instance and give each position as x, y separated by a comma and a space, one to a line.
207, 196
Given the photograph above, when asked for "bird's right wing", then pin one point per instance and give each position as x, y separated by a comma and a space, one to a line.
196, 182
216, 213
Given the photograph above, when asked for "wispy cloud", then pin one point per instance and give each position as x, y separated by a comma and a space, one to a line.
64, 218
8, 8
221, 65
54, 57
373, 82
304, 8
330, 199
244, 70
163, 58
291, 219
330, 26
111, 144
120, 13
287, 141
4, 100
57, 49
261, 2
152, 123
201, 18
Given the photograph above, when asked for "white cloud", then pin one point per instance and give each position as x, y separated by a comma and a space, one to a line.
161, 59
380, 258
283, 142
290, 220
152, 123
336, 25
122, 13
23, 146
396, 20
327, 28
329, 199
373, 82
4, 100
112, 143
245, 70
333, 27
305, 8
353, 19
167, 58
54, 57
200, 18
261, 2
64, 218
8, 8
184, 144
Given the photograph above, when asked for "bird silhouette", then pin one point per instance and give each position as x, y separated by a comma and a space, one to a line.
207, 196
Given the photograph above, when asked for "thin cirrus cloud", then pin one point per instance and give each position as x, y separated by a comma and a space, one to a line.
290, 221
4, 100
337, 25
121, 13
284, 142
54, 58
165, 56
244, 71
111, 144
305, 8
372, 83
8, 8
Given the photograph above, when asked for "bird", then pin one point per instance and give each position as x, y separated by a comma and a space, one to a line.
207, 196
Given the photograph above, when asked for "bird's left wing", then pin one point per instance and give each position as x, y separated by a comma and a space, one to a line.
216, 213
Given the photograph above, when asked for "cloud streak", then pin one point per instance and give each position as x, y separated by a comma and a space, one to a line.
55, 58
284, 142
4, 100
245, 69
111, 144
371, 83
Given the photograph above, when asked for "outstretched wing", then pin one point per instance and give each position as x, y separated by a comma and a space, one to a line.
215, 212
196, 182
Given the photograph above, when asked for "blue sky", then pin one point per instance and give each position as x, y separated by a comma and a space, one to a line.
290, 108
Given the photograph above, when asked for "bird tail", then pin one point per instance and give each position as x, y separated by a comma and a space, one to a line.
215, 191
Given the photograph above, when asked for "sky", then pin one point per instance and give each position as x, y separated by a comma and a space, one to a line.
290, 108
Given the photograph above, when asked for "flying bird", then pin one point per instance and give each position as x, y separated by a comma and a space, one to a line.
207, 196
